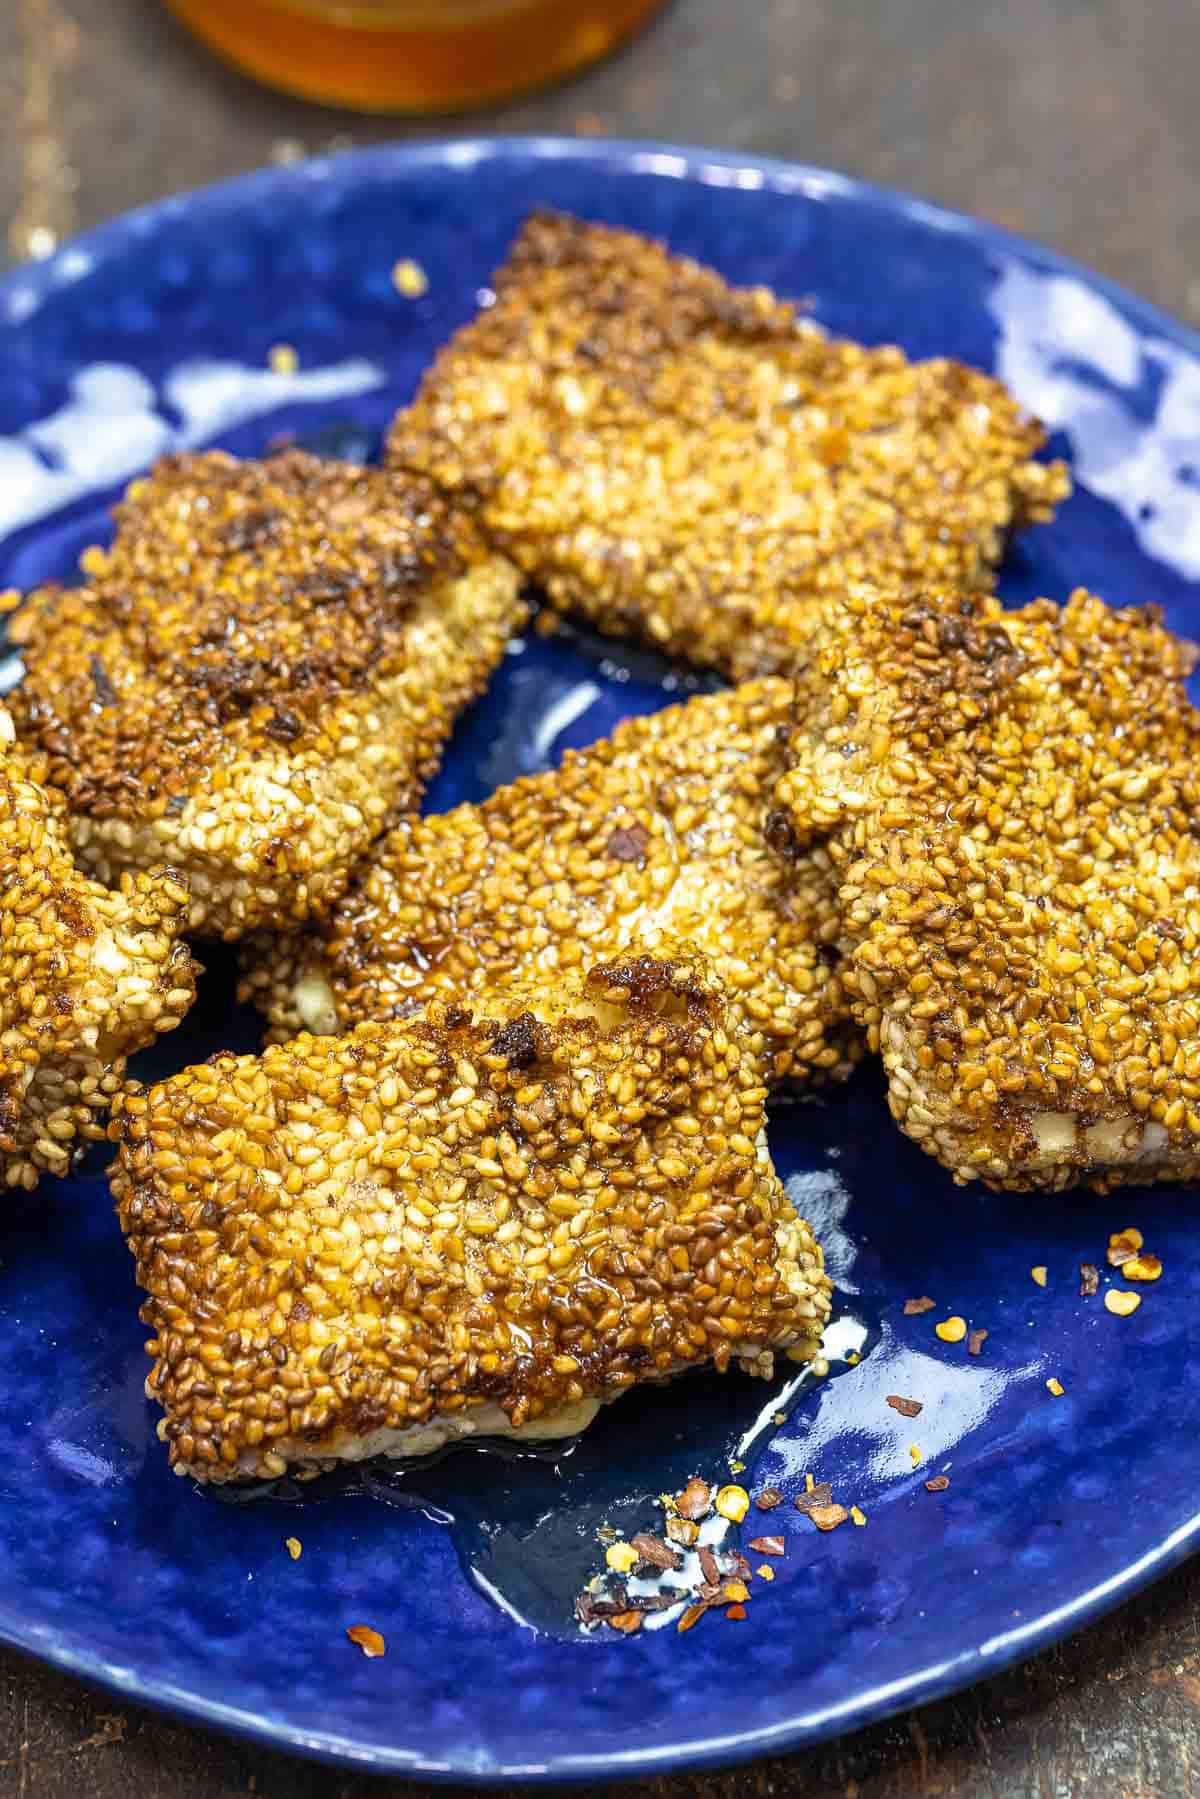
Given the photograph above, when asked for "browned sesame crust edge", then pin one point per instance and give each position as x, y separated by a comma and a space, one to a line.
695, 464
86, 977
529, 1205
1011, 800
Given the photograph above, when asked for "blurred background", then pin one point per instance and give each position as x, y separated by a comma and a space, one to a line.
1072, 120
1075, 121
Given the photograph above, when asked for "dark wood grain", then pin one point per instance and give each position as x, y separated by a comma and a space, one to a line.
1074, 120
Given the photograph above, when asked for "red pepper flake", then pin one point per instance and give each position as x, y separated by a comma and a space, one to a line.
908, 1408
938, 1484
627, 1622
368, 1640
658, 1602
655, 1551
976, 1341
682, 1530
912, 1307
1089, 1280
709, 1566
767, 1545
816, 1496
768, 1499
828, 1517
735, 1613
692, 1616
695, 1502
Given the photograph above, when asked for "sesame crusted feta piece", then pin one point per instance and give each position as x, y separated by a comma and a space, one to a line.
259, 675
87, 975
465, 1222
693, 464
1011, 801
657, 833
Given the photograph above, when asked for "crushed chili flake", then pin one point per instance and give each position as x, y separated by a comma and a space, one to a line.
976, 1341
659, 1602
914, 1306
908, 1408
853, 1359
735, 1613
368, 1640
938, 1484
737, 1590
693, 1615
768, 1499
1141, 1268
766, 1572
682, 1530
814, 1498
695, 1502
592, 1609
1089, 1280
1055, 1386
655, 1551
709, 1566
914, 1455
808, 1483
857, 1516
627, 1622
293, 1547
767, 1545
735, 1563
828, 1517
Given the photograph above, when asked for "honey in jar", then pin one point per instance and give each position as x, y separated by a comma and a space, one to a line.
411, 55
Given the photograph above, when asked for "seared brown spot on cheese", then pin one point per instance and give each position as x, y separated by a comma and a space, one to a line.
259, 674
527, 886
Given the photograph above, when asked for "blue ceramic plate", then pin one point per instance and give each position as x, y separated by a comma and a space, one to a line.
156, 332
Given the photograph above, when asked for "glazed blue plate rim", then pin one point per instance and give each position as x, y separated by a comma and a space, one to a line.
35, 281
22, 290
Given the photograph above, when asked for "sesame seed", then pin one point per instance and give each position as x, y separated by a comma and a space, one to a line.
257, 736
351, 1290
410, 279
724, 398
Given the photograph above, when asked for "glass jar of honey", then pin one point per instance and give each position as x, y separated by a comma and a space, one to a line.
411, 55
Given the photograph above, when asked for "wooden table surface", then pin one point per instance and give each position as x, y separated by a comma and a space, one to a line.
1076, 121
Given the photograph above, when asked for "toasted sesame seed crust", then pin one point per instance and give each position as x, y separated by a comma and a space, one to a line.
86, 977
656, 832
1012, 802
693, 464
259, 674
523, 1207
